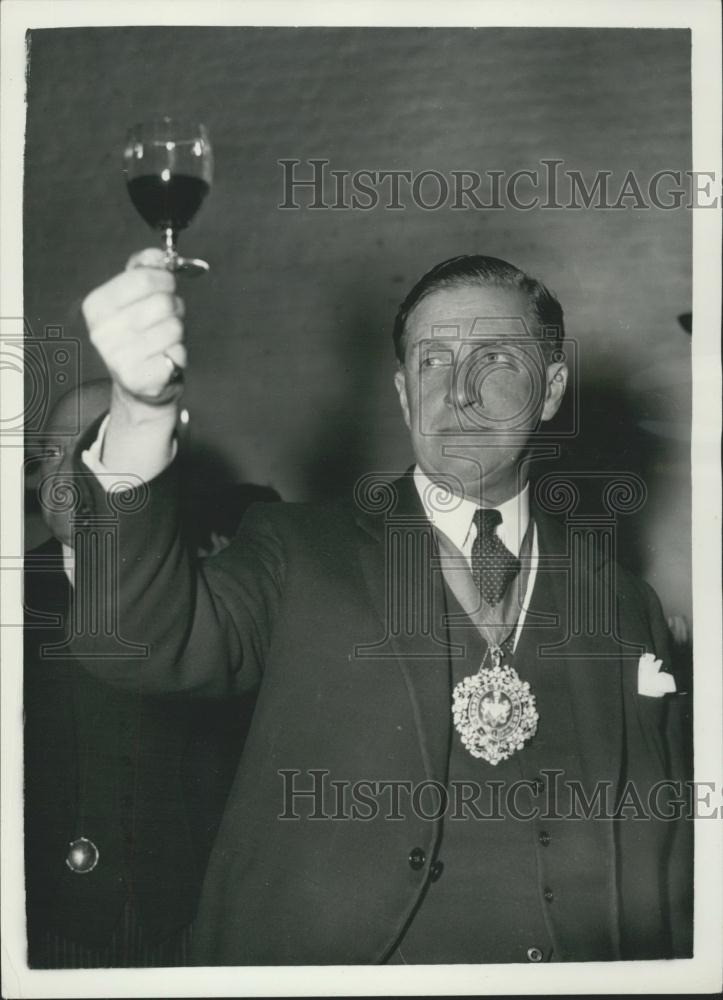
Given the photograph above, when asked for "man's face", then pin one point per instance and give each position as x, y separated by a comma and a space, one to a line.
474, 386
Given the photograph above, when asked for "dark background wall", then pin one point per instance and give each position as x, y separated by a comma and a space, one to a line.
289, 336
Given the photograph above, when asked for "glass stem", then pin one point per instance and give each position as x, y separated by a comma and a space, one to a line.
170, 247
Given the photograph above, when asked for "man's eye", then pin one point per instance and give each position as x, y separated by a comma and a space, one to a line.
498, 358
437, 360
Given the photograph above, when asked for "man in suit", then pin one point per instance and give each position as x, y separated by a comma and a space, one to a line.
123, 793
418, 641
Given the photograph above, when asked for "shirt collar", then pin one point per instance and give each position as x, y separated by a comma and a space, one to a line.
453, 515
69, 562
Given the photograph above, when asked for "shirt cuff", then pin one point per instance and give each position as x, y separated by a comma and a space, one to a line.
91, 458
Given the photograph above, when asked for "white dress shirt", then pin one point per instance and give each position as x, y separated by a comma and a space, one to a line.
92, 459
454, 516
69, 563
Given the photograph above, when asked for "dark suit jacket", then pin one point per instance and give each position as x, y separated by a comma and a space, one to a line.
145, 779
299, 606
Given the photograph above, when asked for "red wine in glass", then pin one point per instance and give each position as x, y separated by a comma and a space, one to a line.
168, 165
167, 204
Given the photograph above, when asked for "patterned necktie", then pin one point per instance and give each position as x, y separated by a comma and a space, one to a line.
493, 565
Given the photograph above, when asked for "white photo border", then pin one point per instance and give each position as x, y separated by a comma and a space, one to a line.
700, 974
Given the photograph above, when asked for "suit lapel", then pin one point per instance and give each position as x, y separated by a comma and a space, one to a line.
400, 566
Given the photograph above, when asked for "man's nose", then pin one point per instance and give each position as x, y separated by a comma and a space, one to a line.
451, 396
461, 390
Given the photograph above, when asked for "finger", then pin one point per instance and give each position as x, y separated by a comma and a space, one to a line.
124, 289
140, 316
178, 355
155, 376
155, 340
128, 325
163, 339
150, 257
125, 356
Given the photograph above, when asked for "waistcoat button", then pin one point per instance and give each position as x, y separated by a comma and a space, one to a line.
534, 955
417, 857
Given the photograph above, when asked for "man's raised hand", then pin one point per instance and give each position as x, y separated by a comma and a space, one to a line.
135, 322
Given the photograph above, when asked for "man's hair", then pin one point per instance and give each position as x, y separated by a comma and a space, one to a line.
477, 269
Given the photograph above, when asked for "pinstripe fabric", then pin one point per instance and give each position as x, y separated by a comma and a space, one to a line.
128, 947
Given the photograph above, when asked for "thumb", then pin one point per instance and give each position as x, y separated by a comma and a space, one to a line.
150, 257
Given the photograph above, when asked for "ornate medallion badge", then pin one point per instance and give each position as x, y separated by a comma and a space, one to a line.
494, 713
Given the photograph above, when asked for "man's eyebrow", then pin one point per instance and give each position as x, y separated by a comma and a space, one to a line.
482, 341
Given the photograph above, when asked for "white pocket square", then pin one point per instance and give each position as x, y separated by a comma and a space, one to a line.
651, 680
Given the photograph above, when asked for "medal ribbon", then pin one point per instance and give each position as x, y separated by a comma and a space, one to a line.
494, 711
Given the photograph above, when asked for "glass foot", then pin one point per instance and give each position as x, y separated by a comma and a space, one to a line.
190, 265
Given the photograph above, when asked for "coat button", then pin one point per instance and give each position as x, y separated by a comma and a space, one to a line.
534, 955
538, 786
544, 838
82, 856
417, 857
435, 871
549, 895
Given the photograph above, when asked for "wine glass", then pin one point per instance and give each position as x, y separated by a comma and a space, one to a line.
168, 164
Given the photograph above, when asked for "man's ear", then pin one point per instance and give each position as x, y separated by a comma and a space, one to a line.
556, 384
400, 385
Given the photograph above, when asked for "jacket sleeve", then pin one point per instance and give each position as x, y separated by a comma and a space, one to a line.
148, 613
